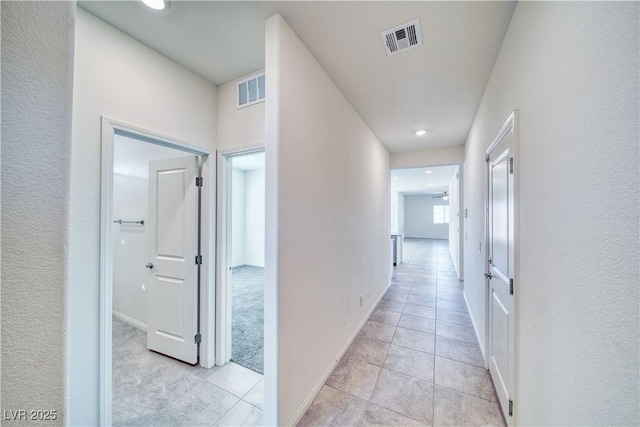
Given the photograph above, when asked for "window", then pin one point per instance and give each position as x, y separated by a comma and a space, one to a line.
441, 214
251, 91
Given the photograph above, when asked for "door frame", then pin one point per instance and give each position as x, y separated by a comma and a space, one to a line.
511, 123
111, 127
223, 293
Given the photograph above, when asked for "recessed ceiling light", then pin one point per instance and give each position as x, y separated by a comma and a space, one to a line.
421, 132
156, 4
431, 184
428, 171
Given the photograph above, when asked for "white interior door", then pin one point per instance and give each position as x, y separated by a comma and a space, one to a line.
500, 262
173, 247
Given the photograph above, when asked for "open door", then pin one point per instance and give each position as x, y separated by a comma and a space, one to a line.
501, 265
172, 321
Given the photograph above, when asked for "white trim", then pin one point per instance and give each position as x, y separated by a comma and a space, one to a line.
506, 127
130, 320
109, 129
223, 296
297, 416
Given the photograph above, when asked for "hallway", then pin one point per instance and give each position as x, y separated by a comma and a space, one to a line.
416, 361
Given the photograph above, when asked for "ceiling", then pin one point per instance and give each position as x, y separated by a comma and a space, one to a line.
436, 87
422, 180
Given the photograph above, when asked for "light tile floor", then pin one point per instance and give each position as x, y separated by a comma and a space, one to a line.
416, 361
150, 389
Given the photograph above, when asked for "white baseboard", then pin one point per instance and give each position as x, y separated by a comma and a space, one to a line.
323, 379
481, 342
129, 320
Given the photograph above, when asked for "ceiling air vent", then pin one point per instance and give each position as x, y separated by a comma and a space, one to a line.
402, 37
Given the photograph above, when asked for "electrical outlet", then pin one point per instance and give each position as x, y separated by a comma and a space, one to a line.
361, 300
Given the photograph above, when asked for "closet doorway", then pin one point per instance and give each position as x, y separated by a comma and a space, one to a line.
242, 251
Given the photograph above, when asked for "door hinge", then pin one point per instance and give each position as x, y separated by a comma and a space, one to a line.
198, 259
511, 165
199, 181
510, 408
490, 261
197, 338
510, 286
486, 157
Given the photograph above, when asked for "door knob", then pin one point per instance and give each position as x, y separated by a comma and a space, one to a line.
488, 276
149, 266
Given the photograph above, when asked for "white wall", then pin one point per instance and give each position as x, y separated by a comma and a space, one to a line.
571, 69
238, 127
430, 157
418, 217
397, 212
401, 212
37, 76
118, 77
238, 217
328, 200
254, 219
455, 247
248, 200
130, 195
394, 219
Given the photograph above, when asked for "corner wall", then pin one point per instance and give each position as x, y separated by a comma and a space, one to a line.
120, 78
331, 192
571, 69
37, 83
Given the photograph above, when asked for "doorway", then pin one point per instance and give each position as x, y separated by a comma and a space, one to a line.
135, 161
242, 231
155, 236
425, 204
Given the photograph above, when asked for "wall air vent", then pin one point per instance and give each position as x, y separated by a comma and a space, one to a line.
251, 91
402, 37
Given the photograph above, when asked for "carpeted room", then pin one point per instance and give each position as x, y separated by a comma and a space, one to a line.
247, 260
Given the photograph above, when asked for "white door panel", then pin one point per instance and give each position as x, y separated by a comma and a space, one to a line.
501, 266
499, 215
173, 287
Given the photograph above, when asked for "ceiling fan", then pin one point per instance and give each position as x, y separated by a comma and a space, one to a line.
444, 196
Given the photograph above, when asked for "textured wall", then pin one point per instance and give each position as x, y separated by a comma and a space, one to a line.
572, 71
333, 190
120, 78
37, 79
